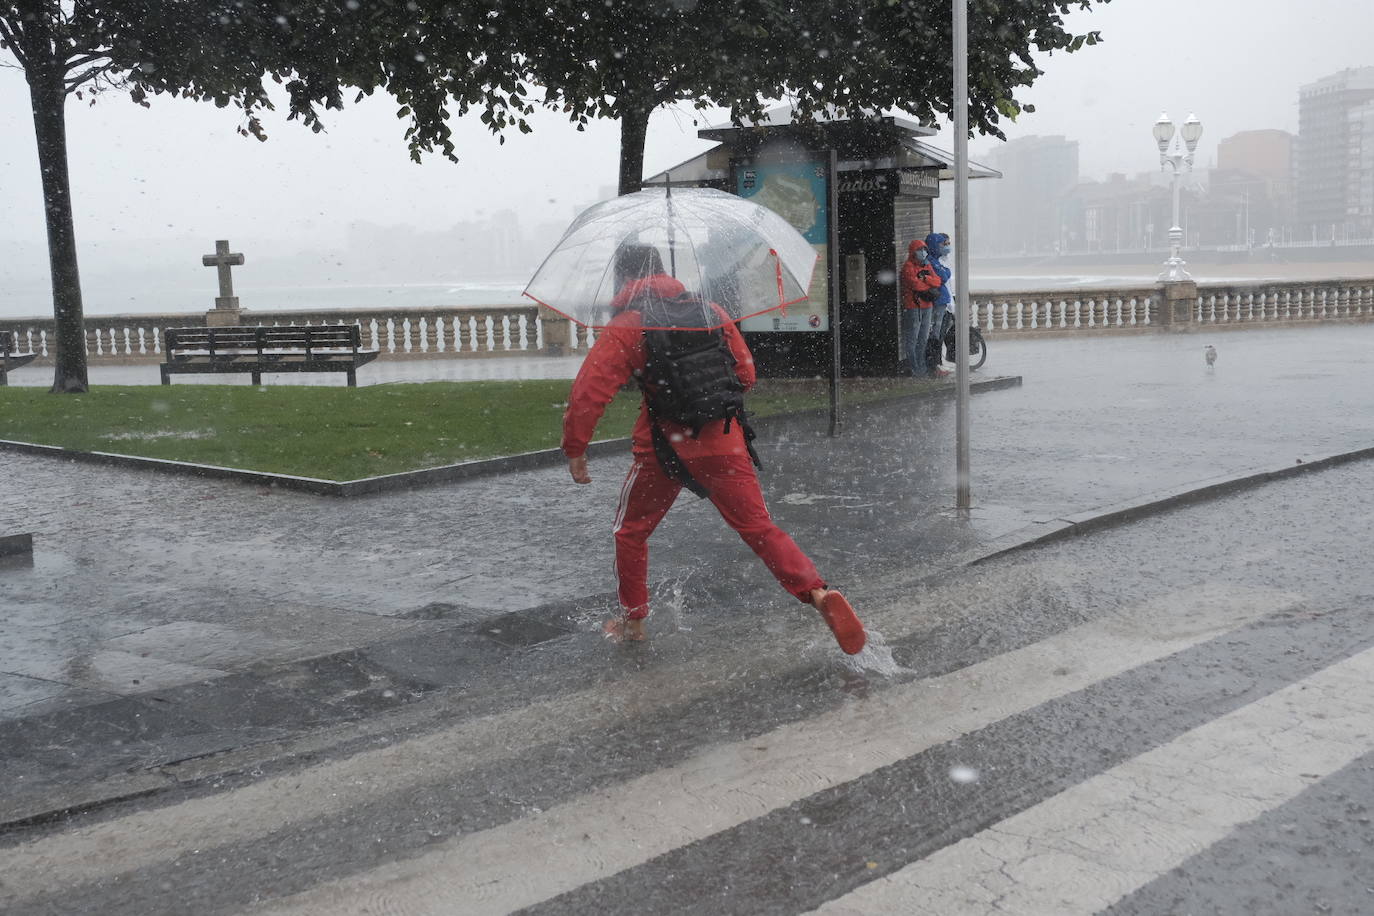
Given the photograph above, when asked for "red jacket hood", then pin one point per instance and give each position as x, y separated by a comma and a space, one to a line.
659, 285
915, 246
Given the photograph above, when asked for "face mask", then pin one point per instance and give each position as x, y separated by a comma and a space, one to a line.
944, 251
922, 256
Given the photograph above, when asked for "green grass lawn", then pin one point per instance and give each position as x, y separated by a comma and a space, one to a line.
345, 433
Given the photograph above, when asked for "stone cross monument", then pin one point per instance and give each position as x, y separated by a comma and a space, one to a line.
226, 311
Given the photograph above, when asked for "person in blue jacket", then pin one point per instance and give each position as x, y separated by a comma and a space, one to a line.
937, 248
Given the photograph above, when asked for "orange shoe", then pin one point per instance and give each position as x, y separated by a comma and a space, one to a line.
840, 617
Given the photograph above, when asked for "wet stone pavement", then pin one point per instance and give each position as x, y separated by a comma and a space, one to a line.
165, 620
1136, 718
141, 581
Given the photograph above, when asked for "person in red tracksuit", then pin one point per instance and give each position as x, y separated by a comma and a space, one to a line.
717, 458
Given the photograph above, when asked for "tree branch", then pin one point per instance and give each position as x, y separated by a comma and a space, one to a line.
74, 81
81, 61
10, 36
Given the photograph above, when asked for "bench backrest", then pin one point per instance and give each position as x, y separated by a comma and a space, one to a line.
304, 337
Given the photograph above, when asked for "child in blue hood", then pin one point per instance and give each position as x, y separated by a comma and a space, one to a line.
937, 248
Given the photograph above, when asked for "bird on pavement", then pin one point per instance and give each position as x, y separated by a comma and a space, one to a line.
1211, 353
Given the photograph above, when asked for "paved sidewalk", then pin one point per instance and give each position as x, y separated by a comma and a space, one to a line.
191, 592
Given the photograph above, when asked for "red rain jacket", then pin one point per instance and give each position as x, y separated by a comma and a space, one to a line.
613, 360
917, 277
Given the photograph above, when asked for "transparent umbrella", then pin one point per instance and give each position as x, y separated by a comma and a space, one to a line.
723, 248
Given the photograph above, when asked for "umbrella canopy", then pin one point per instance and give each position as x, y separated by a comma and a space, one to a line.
723, 248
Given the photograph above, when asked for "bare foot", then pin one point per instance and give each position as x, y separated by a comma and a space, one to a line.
622, 629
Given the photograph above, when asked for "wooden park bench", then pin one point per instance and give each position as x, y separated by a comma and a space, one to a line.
10, 357
308, 348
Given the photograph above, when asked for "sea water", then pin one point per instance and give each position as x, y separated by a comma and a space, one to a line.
110, 298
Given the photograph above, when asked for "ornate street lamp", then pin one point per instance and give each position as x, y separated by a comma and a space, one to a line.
1164, 135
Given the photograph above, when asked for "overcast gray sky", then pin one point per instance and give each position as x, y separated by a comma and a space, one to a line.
178, 170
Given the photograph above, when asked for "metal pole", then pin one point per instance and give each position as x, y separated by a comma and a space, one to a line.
832, 245
1176, 230
963, 498
672, 243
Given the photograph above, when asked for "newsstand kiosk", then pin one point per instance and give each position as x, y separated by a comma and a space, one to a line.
885, 181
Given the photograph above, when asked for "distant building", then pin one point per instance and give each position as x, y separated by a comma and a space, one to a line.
1250, 192
1263, 153
1360, 204
1335, 161
1118, 215
1021, 214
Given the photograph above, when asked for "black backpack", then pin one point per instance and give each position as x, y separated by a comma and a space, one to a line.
688, 378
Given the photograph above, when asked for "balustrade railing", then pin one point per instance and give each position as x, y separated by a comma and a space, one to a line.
1271, 303
1142, 308
1063, 310
458, 331
476, 331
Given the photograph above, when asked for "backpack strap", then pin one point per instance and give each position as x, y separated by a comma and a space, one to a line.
668, 458
671, 463
748, 440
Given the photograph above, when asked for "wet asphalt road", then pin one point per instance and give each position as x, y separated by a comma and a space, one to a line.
141, 581
478, 761
1171, 716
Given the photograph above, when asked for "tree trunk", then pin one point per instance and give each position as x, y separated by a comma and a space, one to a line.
49, 97
634, 125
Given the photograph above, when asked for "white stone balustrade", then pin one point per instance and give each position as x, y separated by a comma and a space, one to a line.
1138, 308
461, 331
1066, 310
478, 331
1273, 303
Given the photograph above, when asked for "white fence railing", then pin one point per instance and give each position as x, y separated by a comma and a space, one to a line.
1270, 304
1045, 310
1141, 308
513, 330
396, 334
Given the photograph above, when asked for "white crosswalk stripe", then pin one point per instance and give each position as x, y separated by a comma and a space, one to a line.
532, 859
1093, 844
1110, 834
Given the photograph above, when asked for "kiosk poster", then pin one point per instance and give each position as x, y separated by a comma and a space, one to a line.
795, 191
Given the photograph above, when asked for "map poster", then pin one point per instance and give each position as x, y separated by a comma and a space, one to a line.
797, 192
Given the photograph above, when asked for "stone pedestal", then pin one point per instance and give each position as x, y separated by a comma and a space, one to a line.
1176, 307
223, 318
557, 332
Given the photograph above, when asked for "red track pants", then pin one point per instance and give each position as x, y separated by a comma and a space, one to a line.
648, 493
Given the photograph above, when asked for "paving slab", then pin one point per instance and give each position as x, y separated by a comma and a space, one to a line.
13, 545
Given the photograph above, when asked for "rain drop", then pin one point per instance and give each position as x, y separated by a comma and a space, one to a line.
963, 775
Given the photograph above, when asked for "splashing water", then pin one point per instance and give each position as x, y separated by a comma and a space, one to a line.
876, 658
670, 609
667, 603
591, 617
